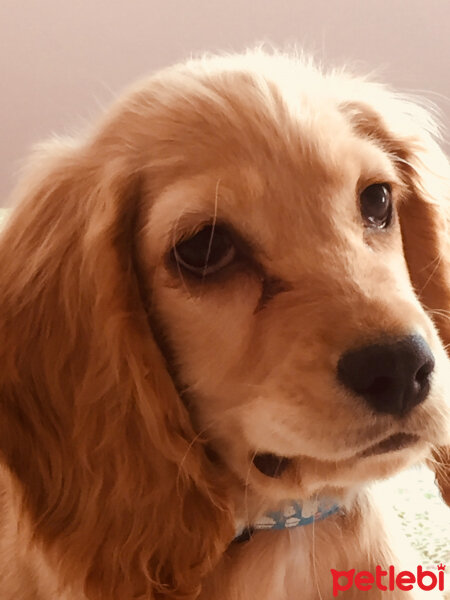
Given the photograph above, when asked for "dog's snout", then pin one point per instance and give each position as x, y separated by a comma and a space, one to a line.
392, 377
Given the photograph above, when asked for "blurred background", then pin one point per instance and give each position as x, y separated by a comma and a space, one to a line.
61, 62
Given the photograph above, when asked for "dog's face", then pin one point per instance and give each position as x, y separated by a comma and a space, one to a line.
275, 258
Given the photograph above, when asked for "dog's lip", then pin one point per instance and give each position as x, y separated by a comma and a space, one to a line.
273, 465
397, 441
270, 464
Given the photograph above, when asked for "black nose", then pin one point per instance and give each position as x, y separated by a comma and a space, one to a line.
392, 377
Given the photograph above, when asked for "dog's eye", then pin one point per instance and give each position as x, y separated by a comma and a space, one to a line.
205, 253
376, 205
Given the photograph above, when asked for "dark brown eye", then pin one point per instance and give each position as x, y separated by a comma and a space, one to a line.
376, 205
205, 253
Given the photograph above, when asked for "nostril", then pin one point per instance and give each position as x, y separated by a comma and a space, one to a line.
423, 374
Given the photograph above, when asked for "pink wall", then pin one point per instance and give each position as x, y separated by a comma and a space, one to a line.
62, 60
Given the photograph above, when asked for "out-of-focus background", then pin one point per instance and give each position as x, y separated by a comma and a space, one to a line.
61, 61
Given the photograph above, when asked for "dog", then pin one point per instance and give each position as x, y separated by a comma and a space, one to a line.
224, 311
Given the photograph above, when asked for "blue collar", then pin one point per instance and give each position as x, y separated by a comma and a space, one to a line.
293, 514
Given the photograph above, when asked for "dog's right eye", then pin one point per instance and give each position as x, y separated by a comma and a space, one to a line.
376, 205
207, 252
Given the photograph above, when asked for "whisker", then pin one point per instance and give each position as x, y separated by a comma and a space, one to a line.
203, 431
246, 502
179, 270
439, 312
313, 555
438, 260
208, 253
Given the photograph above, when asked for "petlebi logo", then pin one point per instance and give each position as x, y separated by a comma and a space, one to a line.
388, 580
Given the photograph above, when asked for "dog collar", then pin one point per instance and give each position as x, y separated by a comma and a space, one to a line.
294, 514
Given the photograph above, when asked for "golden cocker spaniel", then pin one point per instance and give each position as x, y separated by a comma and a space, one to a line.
223, 309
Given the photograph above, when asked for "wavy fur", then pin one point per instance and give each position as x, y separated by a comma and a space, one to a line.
121, 489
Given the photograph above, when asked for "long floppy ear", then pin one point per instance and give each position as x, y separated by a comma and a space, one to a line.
117, 485
408, 134
425, 224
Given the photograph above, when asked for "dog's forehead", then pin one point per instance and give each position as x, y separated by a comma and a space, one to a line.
278, 160
198, 119
271, 122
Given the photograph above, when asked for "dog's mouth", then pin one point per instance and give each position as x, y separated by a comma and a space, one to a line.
274, 466
271, 464
397, 441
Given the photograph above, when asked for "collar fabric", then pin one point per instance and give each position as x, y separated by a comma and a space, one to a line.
294, 514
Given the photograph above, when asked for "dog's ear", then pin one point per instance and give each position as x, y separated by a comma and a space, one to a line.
406, 131
115, 481
425, 226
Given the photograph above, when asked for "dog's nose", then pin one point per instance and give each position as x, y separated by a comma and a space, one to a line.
392, 377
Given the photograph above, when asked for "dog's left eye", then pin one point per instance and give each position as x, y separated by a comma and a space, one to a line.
205, 253
376, 205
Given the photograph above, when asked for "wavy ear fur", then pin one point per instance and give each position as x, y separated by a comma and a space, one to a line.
407, 132
117, 485
425, 224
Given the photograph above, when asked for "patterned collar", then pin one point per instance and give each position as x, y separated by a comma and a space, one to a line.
292, 515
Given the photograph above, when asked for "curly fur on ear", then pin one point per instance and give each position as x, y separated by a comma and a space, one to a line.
117, 485
425, 224
407, 133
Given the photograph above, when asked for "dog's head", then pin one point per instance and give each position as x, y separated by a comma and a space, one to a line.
297, 262
282, 235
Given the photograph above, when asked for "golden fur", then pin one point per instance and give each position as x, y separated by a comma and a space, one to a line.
114, 486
